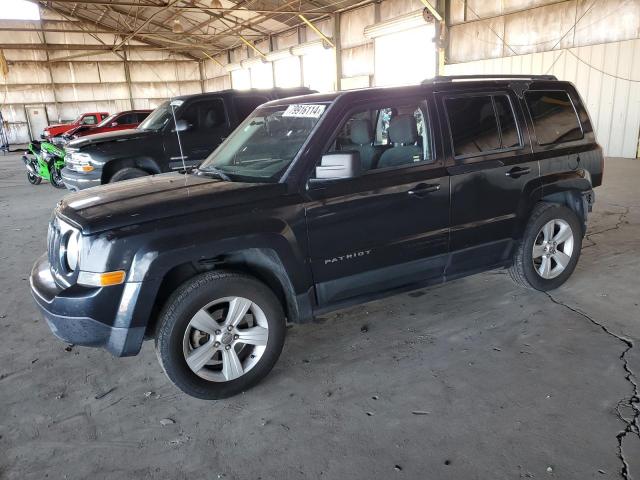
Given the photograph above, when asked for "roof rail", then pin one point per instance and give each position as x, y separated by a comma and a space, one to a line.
451, 78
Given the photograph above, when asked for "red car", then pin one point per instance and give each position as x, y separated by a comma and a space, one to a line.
117, 121
91, 118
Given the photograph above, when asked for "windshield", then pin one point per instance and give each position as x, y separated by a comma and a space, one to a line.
107, 120
158, 118
264, 145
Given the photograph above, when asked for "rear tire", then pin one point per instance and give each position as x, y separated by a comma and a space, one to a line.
234, 321
127, 174
33, 179
550, 248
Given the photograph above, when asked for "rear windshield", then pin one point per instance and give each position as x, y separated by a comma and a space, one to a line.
554, 118
266, 143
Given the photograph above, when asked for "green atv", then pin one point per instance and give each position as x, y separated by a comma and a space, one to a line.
44, 160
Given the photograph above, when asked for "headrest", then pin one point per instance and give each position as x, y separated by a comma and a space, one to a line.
403, 129
211, 119
361, 132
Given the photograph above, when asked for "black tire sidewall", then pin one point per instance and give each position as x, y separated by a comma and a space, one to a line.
33, 179
554, 211
181, 307
55, 178
128, 173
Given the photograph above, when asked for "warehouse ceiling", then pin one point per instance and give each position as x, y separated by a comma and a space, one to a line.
197, 28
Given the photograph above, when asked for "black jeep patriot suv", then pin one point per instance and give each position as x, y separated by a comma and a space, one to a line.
317, 202
160, 144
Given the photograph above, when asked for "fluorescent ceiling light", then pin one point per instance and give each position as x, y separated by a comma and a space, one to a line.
19, 10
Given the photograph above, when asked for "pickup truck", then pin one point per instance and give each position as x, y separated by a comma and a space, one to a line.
55, 131
180, 133
118, 121
318, 202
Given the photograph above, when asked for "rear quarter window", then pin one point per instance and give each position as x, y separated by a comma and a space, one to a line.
554, 117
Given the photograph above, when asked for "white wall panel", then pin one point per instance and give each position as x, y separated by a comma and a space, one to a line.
217, 84
26, 73
607, 77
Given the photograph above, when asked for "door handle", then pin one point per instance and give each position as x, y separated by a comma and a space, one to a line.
516, 172
422, 189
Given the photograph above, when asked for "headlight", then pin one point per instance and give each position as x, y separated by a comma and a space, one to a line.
80, 162
72, 250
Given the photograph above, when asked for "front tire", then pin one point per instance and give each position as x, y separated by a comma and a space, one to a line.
219, 334
127, 174
55, 178
550, 248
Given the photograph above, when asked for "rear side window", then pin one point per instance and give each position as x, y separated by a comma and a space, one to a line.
481, 124
554, 118
89, 120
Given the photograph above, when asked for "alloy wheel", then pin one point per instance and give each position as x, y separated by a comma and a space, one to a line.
553, 248
225, 339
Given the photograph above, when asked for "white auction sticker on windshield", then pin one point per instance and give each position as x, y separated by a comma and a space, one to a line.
304, 111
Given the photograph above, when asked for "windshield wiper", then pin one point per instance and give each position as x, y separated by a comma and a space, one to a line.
214, 172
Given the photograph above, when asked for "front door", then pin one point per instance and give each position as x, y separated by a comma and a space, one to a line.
387, 228
37, 117
492, 170
208, 125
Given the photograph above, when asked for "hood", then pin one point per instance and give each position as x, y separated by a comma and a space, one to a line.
58, 125
158, 196
116, 136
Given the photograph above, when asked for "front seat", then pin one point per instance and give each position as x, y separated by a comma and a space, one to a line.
362, 138
211, 119
403, 134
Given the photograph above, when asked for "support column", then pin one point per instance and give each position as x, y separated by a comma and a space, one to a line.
53, 85
337, 50
201, 70
127, 76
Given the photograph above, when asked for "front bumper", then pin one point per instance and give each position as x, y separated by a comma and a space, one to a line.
95, 317
75, 181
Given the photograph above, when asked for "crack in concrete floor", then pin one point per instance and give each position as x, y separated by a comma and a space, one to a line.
632, 425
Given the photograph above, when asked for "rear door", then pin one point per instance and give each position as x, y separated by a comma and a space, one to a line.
208, 125
492, 169
387, 228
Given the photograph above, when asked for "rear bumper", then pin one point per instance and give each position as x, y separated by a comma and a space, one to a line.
75, 181
95, 317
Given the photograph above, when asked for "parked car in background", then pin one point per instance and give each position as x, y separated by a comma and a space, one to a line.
118, 121
91, 118
318, 202
203, 122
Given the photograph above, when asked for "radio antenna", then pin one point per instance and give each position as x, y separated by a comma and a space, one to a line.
175, 125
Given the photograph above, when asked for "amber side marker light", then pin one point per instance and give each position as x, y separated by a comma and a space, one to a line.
105, 279
87, 168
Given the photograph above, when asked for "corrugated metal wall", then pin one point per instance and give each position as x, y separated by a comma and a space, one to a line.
593, 44
613, 103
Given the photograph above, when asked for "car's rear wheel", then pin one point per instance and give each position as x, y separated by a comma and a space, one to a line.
127, 174
550, 248
219, 334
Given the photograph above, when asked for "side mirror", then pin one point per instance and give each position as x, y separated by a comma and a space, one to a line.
114, 124
182, 126
338, 165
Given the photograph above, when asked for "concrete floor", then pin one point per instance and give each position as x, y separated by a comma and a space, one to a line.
476, 379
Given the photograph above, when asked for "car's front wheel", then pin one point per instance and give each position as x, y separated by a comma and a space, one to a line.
550, 248
219, 334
